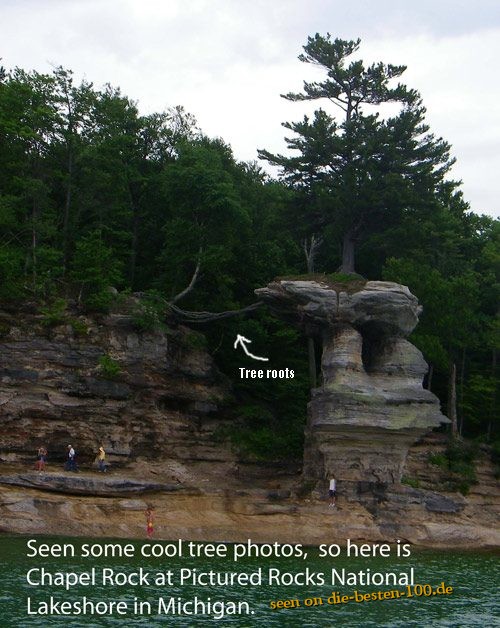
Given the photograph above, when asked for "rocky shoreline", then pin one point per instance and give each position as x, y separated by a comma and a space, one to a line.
205, 509
160, 416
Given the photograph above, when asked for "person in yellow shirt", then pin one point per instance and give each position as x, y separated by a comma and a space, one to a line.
101, 458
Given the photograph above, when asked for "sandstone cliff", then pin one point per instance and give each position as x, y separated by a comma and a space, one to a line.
159, 418
371, 405
159, 400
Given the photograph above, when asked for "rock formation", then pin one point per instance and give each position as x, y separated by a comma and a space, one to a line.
159, 418
371, 405
161, 403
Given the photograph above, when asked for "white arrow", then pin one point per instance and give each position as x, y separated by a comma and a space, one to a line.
241, 340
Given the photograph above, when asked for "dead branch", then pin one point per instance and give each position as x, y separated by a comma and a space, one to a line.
311, 250
192, 283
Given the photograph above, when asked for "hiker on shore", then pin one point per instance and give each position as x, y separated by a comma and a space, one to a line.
149, 521
101, 459
41, 459
71, 461
332, 492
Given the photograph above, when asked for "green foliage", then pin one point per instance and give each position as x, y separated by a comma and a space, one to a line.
269, 414
95, 198
460, 452
264, 444
96, 271
195, 340
480, 395
148, 313
79, 327
413, 482
55, 313
109, 368
440, 460
458, 465
11, 273
357, 172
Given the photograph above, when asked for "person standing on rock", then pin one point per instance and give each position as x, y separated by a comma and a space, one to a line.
41, 459
332, 492
149, 521
71, 463
101, 458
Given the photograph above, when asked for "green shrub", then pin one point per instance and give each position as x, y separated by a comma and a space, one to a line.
11, 272
459, 451
440, 460
413, 482
256, 415
149, 313
457, 463
109, 368
259, 444
195, 340
265, 444
79, 327
100, 301
55, 313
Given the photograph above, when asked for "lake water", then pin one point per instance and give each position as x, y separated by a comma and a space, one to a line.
473, 576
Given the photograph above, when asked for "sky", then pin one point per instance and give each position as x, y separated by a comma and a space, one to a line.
228, 61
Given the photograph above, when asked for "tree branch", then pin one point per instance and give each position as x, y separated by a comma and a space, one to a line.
191, 285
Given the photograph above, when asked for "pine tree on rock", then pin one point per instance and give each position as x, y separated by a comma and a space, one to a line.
358, 171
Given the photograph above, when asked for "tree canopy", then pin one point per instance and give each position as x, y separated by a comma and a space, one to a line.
357, 171
97, 201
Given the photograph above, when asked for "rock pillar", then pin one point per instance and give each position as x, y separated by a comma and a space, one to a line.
371, 405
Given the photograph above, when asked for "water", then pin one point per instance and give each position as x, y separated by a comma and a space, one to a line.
474, 601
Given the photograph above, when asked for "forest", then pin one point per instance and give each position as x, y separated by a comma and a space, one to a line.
98, 201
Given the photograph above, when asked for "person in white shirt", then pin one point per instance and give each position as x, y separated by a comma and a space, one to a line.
332, 492
71, 462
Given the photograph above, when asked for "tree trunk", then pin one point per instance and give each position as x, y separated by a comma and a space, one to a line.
452, 398
310, 251
348, 253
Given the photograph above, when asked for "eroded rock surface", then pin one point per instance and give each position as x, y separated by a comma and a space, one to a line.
371, 405
162, 404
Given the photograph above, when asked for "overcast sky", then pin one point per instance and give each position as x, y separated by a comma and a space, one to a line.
228, 61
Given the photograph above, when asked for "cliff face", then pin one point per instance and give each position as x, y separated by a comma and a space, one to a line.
153, 395
158, 418
214, 506
371, 405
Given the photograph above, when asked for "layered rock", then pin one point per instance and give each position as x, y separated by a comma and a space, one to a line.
371, 405
159, 416
217, 510
160, 403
